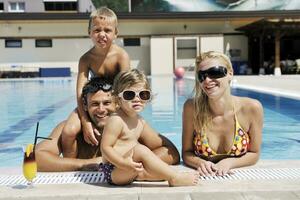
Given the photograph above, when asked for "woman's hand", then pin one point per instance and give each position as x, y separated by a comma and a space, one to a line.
223, 167
207, 168
89, 131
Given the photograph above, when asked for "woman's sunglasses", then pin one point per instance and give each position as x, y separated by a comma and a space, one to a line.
212, 73
129, 95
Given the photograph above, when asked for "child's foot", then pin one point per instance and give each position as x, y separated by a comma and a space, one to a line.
185, 179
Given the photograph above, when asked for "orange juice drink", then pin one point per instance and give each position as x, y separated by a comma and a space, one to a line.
29, 164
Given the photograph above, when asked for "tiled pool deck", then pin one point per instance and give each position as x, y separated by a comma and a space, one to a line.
223, 189
208, 189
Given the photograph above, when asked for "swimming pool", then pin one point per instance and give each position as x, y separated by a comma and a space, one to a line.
49, 101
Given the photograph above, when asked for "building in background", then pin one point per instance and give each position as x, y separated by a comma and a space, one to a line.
38, 34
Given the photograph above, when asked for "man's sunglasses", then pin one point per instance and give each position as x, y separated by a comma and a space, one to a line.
129, 95
212, 73
104, 86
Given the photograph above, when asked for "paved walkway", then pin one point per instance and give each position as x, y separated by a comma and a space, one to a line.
208, 189
286, 85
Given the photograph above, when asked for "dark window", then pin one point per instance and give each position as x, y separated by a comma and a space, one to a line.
60, 6
1, 7
13, 43
186, 48
43, 43
132, 42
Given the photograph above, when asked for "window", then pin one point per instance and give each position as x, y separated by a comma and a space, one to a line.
43, 43
132, 42
16, 7
186, 48
60, 6
13, 43
1, 7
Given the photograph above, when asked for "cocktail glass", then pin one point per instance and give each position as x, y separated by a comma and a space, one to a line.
29, 164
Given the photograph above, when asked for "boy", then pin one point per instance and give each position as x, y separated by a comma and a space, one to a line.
104, 59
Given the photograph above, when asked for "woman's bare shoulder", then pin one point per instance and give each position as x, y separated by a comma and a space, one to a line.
189, 102
188, 107
249, 104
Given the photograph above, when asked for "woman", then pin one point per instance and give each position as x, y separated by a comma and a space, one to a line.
220, 131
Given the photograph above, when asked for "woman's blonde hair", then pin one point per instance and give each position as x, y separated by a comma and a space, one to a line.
104, 13
126, 79
202, 113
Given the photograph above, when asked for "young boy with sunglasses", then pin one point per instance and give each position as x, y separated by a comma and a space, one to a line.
124, 157
104, 59
220, 131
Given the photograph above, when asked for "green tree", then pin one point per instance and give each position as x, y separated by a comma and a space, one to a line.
115, 5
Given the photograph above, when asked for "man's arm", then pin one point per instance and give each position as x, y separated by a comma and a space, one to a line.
160, 145
48, 156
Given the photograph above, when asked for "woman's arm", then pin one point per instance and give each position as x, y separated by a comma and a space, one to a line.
188, 155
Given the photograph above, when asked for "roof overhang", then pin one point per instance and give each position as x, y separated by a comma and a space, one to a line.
286, 26
221, 15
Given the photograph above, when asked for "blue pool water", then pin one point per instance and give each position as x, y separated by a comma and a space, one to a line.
23, 103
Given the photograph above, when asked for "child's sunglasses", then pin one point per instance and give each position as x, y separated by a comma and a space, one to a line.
129, 95
213, 73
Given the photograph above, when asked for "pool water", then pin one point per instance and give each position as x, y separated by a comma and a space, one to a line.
50, 101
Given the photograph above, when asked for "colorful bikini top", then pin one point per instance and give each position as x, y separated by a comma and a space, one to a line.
240, 143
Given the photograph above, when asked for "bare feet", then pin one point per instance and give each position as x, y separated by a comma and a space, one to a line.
185, 179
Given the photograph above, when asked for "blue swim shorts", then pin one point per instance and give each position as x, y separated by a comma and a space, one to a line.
106, 168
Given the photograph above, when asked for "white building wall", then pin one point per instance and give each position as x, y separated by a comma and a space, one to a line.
70, 41
63, 53
237, 42
45, 29
161, 55
139, 55
212, 43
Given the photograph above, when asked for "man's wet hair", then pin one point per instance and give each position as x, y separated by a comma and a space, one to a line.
94, 85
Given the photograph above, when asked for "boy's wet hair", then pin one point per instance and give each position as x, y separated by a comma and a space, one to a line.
105, 14
94, 85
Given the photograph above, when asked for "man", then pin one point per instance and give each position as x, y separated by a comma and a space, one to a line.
99, 105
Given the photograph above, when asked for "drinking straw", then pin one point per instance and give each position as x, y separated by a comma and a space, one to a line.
36, 132
38, 137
